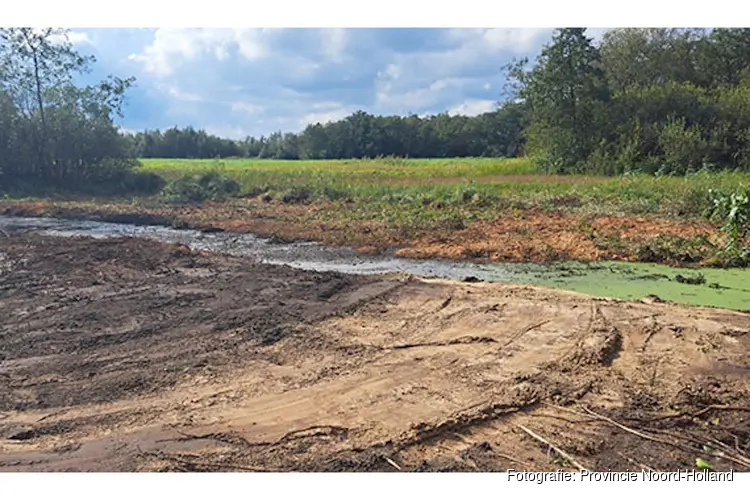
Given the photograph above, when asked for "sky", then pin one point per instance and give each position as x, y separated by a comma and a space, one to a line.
255, 81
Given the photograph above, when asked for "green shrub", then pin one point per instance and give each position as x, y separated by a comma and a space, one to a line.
684, 148
296, 195
199, 188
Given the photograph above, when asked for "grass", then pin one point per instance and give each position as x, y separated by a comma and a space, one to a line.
477, 184
254, 170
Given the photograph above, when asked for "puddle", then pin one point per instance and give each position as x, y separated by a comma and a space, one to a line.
728, 288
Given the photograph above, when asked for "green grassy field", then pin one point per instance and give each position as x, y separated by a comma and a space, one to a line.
374, 169
481, 184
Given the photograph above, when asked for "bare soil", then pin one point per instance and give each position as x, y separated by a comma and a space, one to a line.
129, 355
514, 236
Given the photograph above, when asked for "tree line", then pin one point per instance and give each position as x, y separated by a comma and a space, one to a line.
497, 133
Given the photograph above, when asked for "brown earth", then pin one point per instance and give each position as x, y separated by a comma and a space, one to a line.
128, 355
514, 236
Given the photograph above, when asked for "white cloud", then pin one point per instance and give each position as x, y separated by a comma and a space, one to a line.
334, 42
406, 101
227, 131
393, 72
78, 38
326, 105
246, 107
324, 116
172, 47
473, 107
514, 40
74, 37
183, 96
470, 49
445, 83
403, 97
596, 33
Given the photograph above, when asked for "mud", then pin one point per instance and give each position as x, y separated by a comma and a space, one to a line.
132, 355
518, 236
707, 287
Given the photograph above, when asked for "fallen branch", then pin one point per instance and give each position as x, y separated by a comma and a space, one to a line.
207, 465
652, 331
512, 459
719, 407
642, 466
558, 417
394, 464
194, 463
560, 451
53, 414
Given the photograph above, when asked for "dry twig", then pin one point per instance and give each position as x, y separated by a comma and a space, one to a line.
394, 464
556, 448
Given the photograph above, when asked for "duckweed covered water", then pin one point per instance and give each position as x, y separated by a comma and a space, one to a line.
727, 288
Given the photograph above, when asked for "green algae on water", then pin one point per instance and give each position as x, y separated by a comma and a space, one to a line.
727, 288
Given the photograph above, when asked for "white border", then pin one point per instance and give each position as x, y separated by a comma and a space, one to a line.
380, 13
383, 13
344, 486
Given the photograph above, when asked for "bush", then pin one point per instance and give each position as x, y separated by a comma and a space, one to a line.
684, 148
113, 183
213, 186
296, 195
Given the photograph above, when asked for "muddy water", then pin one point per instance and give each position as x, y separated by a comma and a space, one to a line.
709, 287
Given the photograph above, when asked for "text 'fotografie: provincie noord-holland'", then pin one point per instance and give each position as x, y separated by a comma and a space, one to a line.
620, 476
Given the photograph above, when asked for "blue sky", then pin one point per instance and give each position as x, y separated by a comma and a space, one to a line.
239, 82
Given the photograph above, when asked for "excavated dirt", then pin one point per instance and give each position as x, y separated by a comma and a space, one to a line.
130, 355
514, 236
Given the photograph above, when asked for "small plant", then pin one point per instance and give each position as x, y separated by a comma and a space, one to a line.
702, 464
698, 279
733, 211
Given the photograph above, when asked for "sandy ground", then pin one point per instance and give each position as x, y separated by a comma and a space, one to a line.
128, 355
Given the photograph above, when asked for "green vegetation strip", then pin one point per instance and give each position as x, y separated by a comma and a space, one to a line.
476, 183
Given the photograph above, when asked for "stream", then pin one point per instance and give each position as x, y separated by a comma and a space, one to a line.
727, 288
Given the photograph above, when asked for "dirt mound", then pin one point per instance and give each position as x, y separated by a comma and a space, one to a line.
131, 355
